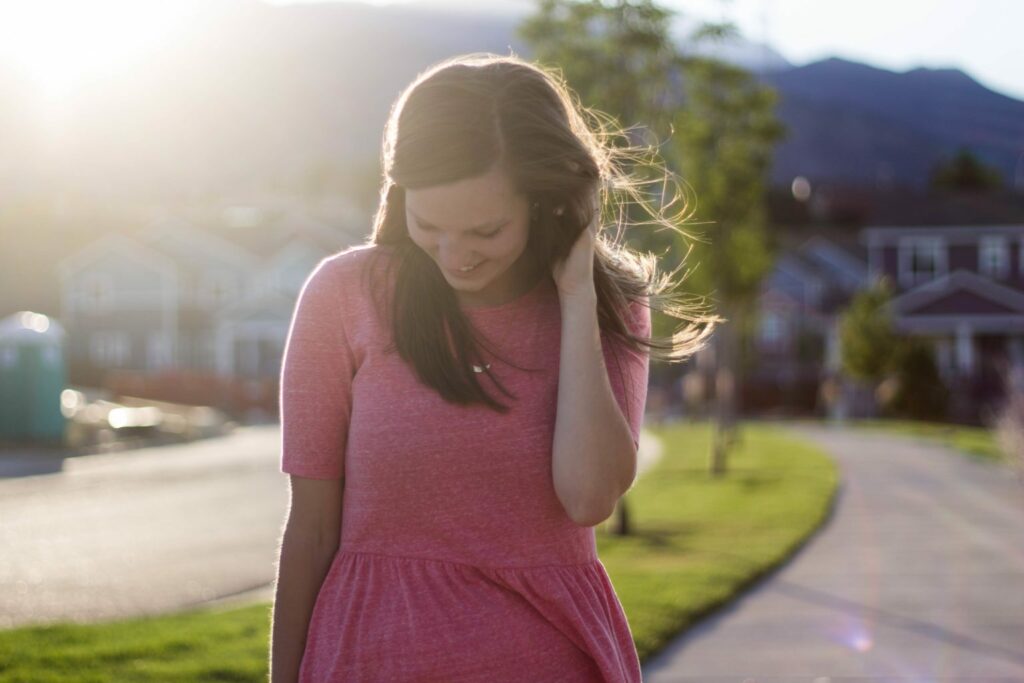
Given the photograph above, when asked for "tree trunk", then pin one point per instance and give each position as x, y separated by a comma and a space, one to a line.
726, 359
621, 525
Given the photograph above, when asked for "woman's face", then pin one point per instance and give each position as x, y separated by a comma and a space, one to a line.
480, 222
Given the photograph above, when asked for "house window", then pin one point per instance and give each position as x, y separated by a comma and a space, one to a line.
109, 349
96, 291
158, 351
772, 329
206, 352
994, 257
216, 289
922, 258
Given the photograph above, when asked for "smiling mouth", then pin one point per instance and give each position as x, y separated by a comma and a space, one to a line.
465, 270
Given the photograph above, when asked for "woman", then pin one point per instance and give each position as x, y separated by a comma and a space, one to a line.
437, 532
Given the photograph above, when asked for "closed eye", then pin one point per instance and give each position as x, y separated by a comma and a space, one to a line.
426, 227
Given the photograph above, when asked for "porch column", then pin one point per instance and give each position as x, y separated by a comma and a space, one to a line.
964, 349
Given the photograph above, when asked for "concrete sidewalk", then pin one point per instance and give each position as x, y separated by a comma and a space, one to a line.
917, 576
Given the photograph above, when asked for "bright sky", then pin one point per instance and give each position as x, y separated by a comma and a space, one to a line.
62, 44
985, 38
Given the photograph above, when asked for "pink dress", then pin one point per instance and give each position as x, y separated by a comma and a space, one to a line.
457, 562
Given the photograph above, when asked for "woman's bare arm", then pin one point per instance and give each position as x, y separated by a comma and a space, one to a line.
308, 545
593, 454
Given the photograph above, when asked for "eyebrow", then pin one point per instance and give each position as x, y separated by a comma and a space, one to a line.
483, 226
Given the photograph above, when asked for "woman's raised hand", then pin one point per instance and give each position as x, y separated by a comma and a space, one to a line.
574, 275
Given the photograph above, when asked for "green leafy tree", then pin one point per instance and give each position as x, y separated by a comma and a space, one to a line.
920, 393
965, 172
617, 56
725, 136
872, 351
866, 334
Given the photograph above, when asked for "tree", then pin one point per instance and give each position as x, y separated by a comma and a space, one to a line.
618, 57
725, 136
866, 334
965, 172
871, 351
920, 393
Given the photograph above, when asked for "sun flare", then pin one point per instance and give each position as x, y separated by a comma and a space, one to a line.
63, 46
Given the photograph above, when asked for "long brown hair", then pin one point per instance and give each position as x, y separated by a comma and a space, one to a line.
456, 121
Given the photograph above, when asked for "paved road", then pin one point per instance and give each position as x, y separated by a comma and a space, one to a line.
141, 532
917, 576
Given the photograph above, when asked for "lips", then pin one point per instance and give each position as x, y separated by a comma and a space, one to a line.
464, 273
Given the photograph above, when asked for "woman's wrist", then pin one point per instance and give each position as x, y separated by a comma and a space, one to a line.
584, 300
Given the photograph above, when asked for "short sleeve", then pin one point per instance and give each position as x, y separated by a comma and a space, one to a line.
628, 369
316, 378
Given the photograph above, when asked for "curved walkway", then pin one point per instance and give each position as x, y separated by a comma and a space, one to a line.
918, 575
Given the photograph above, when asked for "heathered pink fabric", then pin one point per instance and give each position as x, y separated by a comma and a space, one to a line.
457, 562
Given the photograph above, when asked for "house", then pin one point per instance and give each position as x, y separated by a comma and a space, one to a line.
209, 291
795, 344
962, 288
959, 287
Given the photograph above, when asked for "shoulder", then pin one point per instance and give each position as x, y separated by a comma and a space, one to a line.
355, 269
354, 286
352, 262
637, 317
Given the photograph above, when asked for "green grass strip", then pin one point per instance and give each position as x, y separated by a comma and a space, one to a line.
187, 647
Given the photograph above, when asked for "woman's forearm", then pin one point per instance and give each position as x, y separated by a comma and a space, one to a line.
303, 563
594, 459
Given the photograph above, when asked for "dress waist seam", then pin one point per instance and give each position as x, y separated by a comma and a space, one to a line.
389, 556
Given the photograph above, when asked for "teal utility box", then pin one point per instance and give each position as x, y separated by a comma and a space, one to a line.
32, 376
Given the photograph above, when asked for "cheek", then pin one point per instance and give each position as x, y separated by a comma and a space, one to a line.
518, 240
423, 242
505, 249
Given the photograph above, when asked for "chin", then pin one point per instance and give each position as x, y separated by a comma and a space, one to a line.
464, 286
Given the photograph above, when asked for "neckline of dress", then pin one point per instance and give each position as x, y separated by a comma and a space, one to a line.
522, 299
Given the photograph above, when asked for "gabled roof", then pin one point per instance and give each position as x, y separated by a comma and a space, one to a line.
820, 248
267, 305
183, 241
114, 243
959, 280
880, 235
796, 264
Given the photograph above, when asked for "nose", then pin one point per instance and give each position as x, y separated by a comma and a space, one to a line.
453, 255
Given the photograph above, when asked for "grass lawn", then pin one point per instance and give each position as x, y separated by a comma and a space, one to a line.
698, 541
193, 646
978, 442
